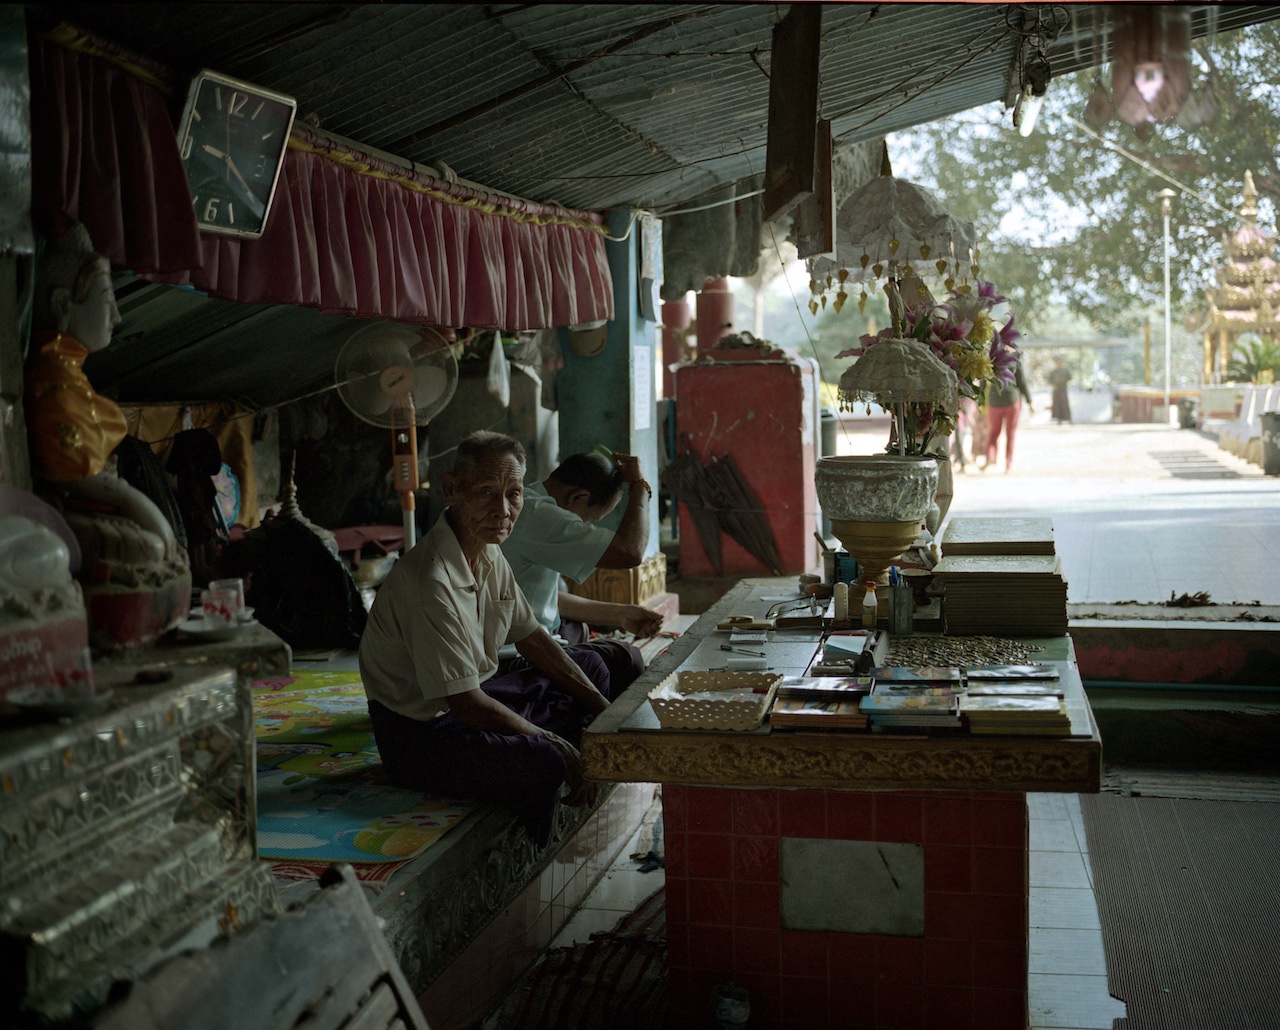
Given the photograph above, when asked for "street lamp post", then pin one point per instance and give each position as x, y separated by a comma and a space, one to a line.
1166, 196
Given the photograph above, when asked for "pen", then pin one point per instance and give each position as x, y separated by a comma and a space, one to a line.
725, 668
742, 650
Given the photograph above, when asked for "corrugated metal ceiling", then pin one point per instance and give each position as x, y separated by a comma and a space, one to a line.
594, 106
657, 103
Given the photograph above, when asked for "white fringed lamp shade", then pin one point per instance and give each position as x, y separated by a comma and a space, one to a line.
891, 221
898, 371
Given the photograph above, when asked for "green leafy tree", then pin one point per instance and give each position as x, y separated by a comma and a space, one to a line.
1254, 359
1064, 216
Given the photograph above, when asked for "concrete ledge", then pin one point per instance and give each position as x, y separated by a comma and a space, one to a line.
1188, 728
1174, 650
1195, 688
469, 923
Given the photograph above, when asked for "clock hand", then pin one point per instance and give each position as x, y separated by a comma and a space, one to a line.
255, 204
231, 167
253, 201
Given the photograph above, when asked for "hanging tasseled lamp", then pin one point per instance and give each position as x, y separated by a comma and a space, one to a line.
1150, 61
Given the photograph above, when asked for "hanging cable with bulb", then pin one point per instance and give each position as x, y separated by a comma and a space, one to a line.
1037, 26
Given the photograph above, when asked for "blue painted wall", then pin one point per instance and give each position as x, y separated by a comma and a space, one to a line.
603, 399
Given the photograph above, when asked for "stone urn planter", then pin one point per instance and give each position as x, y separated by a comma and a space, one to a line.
876, 503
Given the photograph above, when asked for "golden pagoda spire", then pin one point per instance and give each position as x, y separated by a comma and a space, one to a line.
1249, 209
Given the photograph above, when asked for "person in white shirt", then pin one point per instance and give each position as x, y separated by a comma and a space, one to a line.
559, 534
446, 719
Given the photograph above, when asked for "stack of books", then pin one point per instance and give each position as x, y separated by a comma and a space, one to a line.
820, 703
1003, 594
1014, 700
1005, 715
978, 535
915, 698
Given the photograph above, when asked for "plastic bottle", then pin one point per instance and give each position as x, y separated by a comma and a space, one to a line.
870, 611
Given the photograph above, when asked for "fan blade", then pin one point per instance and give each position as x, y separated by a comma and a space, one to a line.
384, 364
363, 391
432, 384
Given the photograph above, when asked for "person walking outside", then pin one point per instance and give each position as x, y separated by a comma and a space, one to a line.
1004, 406
1059, 377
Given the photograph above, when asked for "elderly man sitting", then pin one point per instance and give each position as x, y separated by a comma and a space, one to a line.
446, 720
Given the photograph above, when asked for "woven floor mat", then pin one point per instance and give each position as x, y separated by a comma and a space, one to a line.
617, 980
1188, 893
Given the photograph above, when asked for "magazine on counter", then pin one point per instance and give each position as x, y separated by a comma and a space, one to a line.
1011, 672
1013, 688
896, 676
827, 688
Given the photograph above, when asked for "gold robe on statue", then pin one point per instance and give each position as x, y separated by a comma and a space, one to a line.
71, 428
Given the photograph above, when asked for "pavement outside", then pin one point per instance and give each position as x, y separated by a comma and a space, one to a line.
1141, 512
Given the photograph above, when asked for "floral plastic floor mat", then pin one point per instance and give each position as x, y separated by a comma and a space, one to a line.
322, 793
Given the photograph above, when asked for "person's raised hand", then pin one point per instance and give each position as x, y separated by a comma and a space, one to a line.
629, 466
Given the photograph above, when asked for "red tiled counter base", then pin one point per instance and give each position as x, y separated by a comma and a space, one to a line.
724, 912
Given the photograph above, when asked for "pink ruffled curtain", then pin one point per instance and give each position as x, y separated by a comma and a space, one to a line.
346, 234
104, 153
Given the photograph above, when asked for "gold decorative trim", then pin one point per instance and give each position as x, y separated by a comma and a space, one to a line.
805, 760
360, 163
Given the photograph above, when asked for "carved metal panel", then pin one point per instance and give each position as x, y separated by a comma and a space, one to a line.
129, 829
444, 908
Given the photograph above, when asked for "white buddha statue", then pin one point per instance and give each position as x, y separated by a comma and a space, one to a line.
43, 631
136, 575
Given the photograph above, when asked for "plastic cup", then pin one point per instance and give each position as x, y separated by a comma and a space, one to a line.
235, 586
219, 606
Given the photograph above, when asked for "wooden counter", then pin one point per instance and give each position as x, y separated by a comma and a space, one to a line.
842, 878
626, 743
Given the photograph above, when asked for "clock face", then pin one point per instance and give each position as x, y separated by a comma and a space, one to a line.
233, 141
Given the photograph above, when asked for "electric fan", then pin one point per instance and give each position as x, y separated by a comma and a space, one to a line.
398, 377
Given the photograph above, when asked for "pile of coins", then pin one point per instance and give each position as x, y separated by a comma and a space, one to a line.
961, 651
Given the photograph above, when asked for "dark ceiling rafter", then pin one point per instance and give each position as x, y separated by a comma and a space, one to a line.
305, 27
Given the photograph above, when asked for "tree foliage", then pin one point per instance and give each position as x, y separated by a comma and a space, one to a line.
1065, 217
1254, 357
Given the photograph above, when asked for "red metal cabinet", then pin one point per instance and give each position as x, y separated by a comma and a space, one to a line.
763, 413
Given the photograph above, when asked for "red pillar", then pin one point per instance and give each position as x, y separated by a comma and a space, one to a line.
715, 313
675, 323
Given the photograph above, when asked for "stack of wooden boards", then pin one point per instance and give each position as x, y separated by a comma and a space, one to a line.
1001, 576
